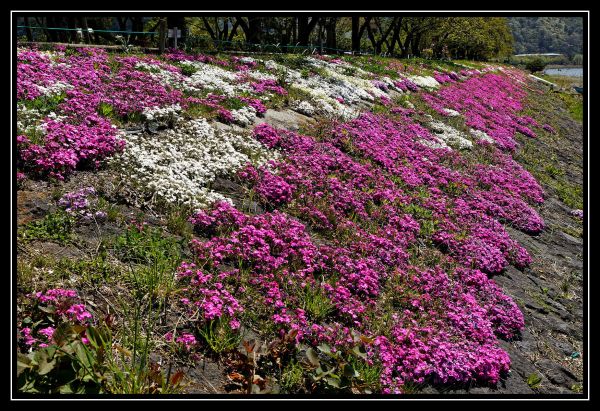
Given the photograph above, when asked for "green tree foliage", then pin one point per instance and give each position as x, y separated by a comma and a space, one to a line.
547, 34
478, 38
534, 65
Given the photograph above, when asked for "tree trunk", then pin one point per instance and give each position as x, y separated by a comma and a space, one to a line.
320, 38
255, 27
395, 36
225, 32
211, 32
416, 50
162, 36
252, 29
303, 31
72, 33
233, 30
305, 27
122, 23
63, 36
138, 26
358, 31
406, 45
372, 37
50, 34
355, 38
331, 40
27, 29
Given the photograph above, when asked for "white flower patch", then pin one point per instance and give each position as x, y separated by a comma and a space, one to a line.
351, 88
341, 67
325, 105
451, 113
29, 120
449, 135
289, 75
247, 59
214, 78
244, 116
422, 81
169, 113
261, 75
54, 89
303, 107
163, 76
481, 135
177, 165
325, 90
53, 116
434, 144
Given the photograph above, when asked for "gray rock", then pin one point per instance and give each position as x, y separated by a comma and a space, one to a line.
287, 119
134, 130
570, 238
557, 374
152, 127
534, 306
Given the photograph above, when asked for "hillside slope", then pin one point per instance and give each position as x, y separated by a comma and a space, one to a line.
294, 224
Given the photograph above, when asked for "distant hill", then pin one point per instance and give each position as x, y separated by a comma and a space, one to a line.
547, 35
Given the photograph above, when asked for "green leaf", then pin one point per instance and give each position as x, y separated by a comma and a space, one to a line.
45, 367
83, 355
359, 350
312, 357
334, 382
49, 310
324, 348
23, 363
66, 389
350, 372
62, 333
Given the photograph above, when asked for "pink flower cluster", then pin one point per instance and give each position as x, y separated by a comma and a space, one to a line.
577, 213
490, 103
367, 205
187, 340
218, 102
255, 104
469, 229
62, 300
81, 203
208, 293
223, 214
268, 86
406, 85
445, 77
180, 55
417, 353
63, 305
67, 147
82, 139
271, 188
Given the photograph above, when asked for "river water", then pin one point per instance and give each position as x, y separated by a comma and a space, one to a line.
566, 71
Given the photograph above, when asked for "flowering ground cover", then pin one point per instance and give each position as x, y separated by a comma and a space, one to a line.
360, 251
